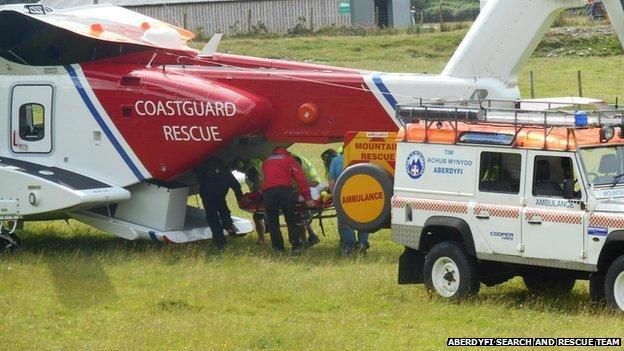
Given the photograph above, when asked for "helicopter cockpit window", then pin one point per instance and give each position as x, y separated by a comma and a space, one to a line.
32, 122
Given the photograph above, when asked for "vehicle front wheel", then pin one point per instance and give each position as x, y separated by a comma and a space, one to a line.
450, 271
614, 284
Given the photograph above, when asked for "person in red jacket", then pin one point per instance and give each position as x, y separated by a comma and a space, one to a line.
279, 170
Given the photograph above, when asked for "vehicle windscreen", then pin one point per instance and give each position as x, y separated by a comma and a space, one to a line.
603, 165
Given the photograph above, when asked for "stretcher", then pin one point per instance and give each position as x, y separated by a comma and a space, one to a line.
253, 203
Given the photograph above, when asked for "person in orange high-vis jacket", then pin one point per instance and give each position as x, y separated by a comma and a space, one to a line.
279, 171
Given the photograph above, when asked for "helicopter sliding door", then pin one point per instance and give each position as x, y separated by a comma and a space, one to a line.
31, 119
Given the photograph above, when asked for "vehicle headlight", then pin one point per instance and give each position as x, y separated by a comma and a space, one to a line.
606, 133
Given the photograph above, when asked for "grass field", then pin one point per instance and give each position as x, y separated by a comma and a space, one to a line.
603, 76
73, 288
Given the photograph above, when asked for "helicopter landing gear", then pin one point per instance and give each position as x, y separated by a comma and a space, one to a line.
8, 239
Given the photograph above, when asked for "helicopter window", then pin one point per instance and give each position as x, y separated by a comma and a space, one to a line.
32, 122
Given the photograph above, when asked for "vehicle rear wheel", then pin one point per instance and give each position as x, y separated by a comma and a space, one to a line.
614, 284
548, 283
450, 271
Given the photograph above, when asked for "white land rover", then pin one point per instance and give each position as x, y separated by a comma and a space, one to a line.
483, 195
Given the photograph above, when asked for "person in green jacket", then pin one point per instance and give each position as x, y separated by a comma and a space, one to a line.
313, 180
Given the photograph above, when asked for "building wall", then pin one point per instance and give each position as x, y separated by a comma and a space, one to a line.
398, 13
401, 16
363, 13
238, 17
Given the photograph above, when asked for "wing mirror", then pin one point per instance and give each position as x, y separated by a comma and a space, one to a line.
568, 189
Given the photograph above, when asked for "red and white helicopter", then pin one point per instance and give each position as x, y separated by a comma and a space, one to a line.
106, 112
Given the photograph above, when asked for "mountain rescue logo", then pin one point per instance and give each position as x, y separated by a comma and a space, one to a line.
415, 165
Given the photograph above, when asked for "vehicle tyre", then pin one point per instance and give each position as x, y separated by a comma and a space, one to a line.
614, 284
450, 271
363, 197
547, 283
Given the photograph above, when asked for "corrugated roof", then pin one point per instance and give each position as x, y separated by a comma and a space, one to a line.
61, 4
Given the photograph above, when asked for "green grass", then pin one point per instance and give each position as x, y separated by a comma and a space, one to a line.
603, 75
401, 52
73, 288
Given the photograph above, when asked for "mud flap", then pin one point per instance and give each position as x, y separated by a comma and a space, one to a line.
597, 286
411, 267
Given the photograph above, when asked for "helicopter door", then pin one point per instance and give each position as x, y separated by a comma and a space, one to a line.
31, 119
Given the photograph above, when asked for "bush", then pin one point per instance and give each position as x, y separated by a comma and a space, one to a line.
452, 10
350, 31
259, 29
420, 30
468, 12
200, 34
300, 29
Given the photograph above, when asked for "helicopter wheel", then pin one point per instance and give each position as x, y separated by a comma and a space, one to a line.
8, 241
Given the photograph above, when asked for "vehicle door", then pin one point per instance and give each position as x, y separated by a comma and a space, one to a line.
500, 192
552, 226
31, 119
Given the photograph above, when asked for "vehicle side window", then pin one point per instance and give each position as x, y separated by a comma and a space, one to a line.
549, 172
500, 172
31, 122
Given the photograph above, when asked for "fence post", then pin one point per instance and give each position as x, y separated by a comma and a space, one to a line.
580, 83
532, 85
249, 21
441, 18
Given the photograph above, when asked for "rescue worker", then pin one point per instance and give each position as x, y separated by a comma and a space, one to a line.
495, 173
215, 181
592, 8
252, 168
496, 178
313, 181
348, 241
245, 166
327, 156
308, 169
253, 179
279, 170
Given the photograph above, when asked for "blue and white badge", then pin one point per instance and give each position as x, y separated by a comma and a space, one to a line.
609, 193
597, 231
415, 165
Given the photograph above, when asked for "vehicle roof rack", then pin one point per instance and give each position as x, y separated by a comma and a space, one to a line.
511, 113
508, 112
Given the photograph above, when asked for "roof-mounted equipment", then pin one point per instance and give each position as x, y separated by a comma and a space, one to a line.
37, 9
